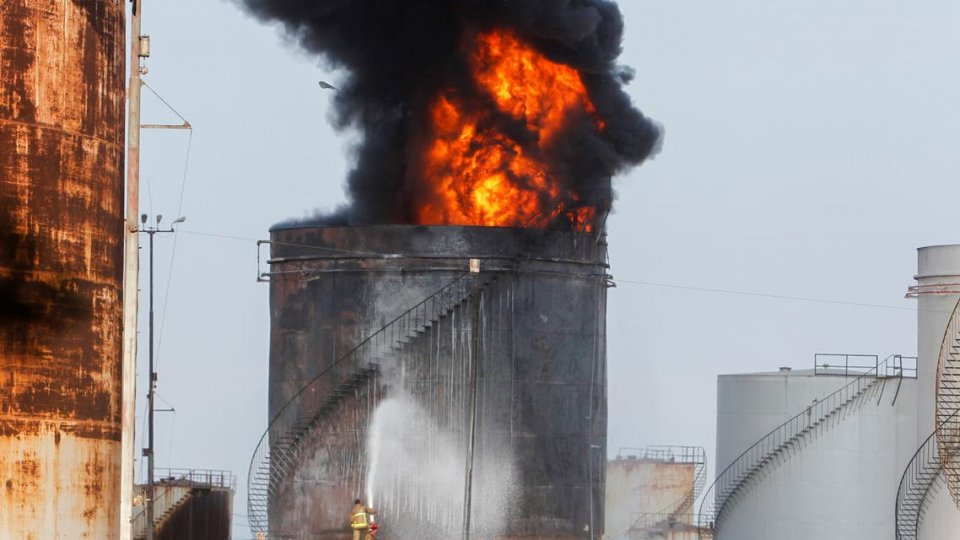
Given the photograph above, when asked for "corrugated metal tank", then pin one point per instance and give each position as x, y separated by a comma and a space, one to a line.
545, 396
840, 481
61, 195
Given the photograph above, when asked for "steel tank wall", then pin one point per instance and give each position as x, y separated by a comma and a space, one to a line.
841, 483
61, 181
206, 514
938, 283
643, 486
941, 519
545, 391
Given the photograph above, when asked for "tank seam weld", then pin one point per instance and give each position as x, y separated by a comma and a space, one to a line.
50, 127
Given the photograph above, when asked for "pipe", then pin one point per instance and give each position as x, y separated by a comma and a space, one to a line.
131, 278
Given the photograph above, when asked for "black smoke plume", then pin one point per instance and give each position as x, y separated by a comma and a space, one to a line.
399, 54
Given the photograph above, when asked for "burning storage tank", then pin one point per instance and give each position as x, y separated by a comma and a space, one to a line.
61, 195
438, 343
437, 392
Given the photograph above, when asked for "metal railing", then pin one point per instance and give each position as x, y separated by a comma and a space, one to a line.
948, 402
209, 478
278, 451
771, 446
942, 289
165, 487
902, 366
669, 454
844, 364
677, 510
847, 365
918, 478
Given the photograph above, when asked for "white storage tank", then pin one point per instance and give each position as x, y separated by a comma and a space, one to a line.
833, 470
809, 466
937, 292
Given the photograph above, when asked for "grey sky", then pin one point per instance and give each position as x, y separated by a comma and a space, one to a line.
810, 148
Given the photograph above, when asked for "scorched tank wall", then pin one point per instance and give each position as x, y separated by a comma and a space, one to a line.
543, 389
61, 166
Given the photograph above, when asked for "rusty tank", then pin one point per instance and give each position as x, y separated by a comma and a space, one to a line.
61, 205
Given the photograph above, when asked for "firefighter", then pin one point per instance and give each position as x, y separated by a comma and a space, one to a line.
360, 519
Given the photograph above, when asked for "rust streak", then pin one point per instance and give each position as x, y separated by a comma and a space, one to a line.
59, 129
61, 198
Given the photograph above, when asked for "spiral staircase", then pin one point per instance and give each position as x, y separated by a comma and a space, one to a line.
948, 402
936, 462
920, 480
302, 420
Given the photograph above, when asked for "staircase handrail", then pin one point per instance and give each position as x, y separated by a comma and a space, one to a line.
683, 506
227, 479
699, 482
415, 317
926, 458
214, 478
780, 436
948, 400
346, 356
672, 454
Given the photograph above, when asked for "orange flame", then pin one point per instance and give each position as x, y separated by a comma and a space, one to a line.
476, 174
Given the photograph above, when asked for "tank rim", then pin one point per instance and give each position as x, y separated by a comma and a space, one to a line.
301, 226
